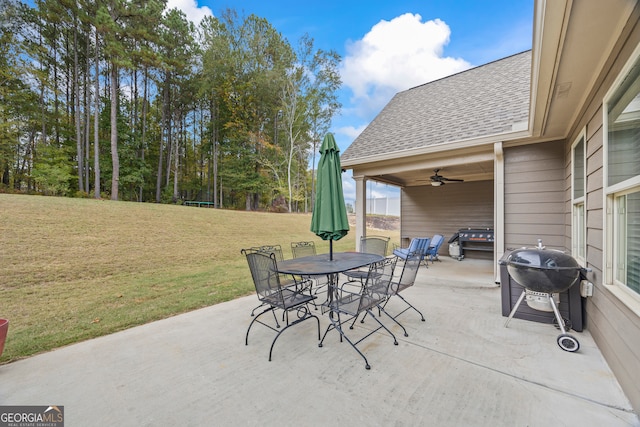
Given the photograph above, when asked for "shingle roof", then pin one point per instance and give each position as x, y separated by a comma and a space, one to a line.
482, 101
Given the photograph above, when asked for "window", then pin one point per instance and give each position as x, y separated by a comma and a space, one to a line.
622, 186
627, 232
578, 225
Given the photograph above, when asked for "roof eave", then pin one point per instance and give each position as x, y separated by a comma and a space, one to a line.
550, 26
438, 148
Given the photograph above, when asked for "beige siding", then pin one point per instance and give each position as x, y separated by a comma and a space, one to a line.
615, 328
534, 190
428, 210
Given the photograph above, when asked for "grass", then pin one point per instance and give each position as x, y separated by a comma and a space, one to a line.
75, 269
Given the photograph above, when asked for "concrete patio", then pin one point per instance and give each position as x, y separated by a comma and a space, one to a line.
461, 367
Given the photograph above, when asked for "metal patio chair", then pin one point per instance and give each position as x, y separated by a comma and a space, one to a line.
274, 296
371, 245
302, 249
285, 280
374, 245
406, 279
348, 302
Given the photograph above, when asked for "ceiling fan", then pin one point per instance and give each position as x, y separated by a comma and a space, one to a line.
438, 180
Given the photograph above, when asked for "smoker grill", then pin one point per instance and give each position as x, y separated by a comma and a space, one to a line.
544, 272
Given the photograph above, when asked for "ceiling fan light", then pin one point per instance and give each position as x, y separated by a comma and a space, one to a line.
436, 183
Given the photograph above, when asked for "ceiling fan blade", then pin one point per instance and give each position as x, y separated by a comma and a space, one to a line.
452, 179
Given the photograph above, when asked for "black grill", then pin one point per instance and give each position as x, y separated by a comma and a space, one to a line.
476, 235
475, 239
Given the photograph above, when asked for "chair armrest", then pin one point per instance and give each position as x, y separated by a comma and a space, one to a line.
355, 284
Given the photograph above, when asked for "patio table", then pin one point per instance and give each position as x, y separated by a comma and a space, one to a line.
319, 265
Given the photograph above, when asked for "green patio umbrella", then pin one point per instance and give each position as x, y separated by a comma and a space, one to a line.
329, 220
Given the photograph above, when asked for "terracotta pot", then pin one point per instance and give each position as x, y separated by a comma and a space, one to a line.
4, 326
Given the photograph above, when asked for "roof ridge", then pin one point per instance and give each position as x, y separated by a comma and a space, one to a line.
467, 70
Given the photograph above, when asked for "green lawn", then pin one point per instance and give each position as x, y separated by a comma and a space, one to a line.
74, 269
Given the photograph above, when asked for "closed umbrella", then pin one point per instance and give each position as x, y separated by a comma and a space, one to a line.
329, 219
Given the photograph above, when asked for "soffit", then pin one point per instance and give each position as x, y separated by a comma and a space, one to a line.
572, 42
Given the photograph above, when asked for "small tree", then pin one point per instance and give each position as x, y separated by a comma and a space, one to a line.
52, 171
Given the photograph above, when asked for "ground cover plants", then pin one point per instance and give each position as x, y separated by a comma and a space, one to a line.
75, 269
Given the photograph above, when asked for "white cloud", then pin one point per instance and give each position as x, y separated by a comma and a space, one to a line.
190, 8
350, 131
397, 55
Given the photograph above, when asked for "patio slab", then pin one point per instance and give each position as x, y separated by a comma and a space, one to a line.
460, 367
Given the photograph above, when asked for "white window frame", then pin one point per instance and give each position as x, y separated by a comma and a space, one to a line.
578, 204
611, 192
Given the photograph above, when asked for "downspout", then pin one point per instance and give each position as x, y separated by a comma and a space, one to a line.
361, 210
498, 206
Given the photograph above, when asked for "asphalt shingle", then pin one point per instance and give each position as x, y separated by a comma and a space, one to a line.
482, 101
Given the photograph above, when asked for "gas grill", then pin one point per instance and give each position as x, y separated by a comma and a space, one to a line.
475, 239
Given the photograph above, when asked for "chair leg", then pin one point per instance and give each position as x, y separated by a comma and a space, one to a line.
410, 306
330, 327
395, 341
274, 314
381, 308
255, 319
253, 311
306, 316
337, 326
356, 318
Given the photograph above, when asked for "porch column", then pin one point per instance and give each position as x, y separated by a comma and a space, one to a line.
361, 208
498, 208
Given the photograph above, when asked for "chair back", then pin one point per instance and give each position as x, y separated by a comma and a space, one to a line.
423, 246
436, 242
374, 245
376, 287
263, 269
409, 273
271, 249
414, 244
300, 249
417, 245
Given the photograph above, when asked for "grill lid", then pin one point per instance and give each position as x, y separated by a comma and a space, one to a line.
543, 270
542, 259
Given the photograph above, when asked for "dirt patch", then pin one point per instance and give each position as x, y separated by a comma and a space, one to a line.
379, 222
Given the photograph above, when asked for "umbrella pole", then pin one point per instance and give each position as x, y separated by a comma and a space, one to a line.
330, 249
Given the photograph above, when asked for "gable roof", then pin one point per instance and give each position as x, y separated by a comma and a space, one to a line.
491, 99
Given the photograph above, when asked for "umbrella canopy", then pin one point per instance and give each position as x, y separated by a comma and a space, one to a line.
329, 219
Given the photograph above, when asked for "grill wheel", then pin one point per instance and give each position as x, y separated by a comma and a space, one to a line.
568, 343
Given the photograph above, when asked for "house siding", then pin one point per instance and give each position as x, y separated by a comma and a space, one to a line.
428, 210
613, 325
534, 193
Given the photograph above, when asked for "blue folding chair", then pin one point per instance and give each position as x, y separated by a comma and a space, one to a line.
432, 250
417, 245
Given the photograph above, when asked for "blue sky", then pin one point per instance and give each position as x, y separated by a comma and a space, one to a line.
389, 45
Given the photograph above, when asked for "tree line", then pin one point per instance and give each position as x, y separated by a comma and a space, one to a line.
126, 100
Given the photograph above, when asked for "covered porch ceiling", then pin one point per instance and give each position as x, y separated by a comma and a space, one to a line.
469, 165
